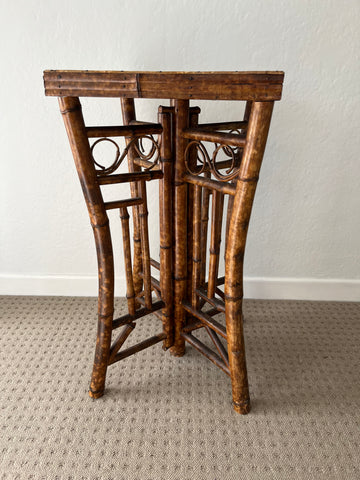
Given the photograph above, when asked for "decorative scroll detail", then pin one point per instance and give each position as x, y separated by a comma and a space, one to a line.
115, 163
204, 162
237, 151
137, 143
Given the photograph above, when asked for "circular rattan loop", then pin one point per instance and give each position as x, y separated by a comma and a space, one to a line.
116, 162
140, 150
230, 172
203, 158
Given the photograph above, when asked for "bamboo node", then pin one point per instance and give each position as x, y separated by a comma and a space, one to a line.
100, 225
70, 110
249, 179
233, 299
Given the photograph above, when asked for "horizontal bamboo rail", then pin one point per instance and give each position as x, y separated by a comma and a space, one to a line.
130, 177
207, 352
142, 312
219, 281
118, 343
218, 304
155, 284
206, 319
140, 122
219, 346
237, 125
222, 165
138, 347
128, 202
146, 164
233, 139
124, 130
227, 188
220, 293
194, 325
155, 264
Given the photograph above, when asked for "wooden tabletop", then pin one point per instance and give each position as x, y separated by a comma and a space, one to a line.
258, 86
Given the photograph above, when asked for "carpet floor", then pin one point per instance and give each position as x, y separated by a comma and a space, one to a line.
171, 418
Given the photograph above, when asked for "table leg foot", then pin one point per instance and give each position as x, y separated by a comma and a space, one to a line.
177, 352
242, 408
97, 394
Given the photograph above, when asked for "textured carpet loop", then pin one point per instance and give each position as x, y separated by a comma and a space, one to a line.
167, 418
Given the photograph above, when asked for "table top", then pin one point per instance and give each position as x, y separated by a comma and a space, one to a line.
257, 86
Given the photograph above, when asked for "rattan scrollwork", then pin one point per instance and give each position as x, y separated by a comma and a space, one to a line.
137, 143
207, 163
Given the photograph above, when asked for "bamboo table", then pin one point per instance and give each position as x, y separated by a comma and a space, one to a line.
193, 186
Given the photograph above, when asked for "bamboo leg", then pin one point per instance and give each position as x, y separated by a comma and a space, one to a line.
180, 216
245, 190
128, 113
166, 229
247, 112
74, 123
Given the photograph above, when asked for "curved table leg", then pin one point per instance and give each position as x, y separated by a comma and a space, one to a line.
70, 108
259, 123
105, 308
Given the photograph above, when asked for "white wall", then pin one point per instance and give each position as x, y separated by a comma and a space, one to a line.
304, 236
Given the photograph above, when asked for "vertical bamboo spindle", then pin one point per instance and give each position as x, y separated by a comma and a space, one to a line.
245, 190
192, 162
130, 292
128, 113
204, 229
215, 240
166, 229
180, 215
74, 123
197, 247
145, 249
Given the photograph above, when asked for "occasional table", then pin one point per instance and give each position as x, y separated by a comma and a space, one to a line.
207, 175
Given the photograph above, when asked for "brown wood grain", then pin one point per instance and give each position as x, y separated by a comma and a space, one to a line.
259, 86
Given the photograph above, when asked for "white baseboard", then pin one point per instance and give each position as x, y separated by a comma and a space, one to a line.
50, 285
337, 290
254, 287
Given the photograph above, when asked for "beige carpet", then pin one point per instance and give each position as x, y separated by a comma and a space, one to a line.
170, 418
